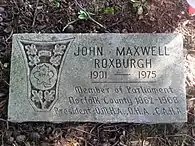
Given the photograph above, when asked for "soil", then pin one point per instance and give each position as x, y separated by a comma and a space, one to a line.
44, 16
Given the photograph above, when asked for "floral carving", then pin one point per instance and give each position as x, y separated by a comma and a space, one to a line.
37, 95
33, 60
58, 52
59, 49
49, 96
43, 97
31, 49
32, 54
55, 60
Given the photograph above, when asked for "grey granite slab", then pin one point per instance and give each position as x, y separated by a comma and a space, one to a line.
98, 78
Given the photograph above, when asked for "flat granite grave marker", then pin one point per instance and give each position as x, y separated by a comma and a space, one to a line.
98, 78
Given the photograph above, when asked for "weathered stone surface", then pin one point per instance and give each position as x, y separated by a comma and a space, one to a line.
97, 77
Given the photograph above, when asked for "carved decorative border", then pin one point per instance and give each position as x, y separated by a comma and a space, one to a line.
44, 62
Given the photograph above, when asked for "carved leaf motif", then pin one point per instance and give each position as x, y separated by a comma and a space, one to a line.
31, 49
34, 60
49, 96
55, 60
37, 96
59, 49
